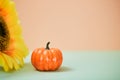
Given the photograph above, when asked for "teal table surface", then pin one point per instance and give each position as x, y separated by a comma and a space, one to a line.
77, 65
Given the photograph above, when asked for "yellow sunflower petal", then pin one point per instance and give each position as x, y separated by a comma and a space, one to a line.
1, 60
6, 68
4, 63
1, 1
8, 61
19, 59
16, 65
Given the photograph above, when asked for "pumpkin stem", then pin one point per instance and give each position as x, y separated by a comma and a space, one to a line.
47, 46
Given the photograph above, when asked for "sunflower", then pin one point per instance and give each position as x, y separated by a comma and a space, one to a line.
12, 47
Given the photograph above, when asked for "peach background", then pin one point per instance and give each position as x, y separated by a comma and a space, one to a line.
71, 24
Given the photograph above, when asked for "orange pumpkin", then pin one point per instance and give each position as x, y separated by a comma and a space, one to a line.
46, 59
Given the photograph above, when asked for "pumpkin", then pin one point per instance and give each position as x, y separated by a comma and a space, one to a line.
46, 59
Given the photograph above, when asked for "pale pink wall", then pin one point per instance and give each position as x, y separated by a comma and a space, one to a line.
71, 24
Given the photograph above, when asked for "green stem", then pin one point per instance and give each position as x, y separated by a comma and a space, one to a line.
47, 46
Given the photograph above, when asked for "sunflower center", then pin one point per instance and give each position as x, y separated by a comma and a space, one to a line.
4, 35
